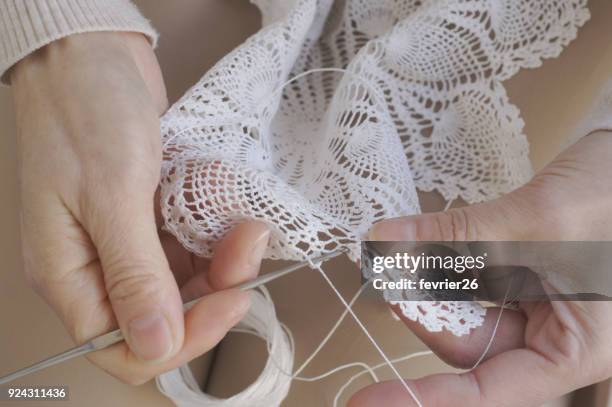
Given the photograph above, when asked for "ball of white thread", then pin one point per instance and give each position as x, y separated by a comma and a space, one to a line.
272, 385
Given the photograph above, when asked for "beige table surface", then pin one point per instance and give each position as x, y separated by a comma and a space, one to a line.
197, 33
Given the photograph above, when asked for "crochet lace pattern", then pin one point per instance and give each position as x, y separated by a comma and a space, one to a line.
419, 105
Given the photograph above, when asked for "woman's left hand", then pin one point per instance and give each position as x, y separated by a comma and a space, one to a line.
546, 349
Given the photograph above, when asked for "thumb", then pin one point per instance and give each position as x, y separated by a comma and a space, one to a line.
511, 217
140, 286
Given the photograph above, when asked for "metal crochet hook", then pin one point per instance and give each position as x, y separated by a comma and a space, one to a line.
111, 338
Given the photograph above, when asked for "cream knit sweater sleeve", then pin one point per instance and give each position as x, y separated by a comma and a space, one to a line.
27, 25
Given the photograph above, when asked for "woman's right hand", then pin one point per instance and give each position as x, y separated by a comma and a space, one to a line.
90, 157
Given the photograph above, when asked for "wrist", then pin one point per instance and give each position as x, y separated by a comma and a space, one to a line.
61, 61
65, 53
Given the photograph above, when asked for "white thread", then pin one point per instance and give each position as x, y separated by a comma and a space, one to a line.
189, 388
448, 205
269, 389
441, 70
367, 333
295, 375
402, 359
330, 333
499, 315
187, 375
483, 98
426, 353
181, 387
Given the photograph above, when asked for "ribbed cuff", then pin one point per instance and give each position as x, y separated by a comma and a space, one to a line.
27, 25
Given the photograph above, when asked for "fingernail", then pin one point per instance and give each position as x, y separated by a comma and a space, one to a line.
393, 230
151, 337
259, 247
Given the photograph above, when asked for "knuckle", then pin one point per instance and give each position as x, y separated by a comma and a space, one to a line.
85, 321
459, 226
126, 281
453, 225
136, 167
124, 176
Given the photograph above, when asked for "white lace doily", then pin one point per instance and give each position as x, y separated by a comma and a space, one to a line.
420, 106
